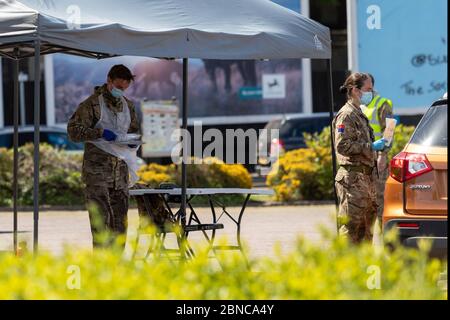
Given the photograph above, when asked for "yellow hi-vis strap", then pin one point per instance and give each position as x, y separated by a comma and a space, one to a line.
372, 114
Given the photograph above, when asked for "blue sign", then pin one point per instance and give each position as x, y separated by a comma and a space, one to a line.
403, 44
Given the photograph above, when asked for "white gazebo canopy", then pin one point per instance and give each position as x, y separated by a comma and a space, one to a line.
207, 29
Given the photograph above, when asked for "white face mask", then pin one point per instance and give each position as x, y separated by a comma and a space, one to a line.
366, 97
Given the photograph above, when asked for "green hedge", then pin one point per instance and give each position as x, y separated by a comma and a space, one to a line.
307, 174
59, 176
211, 173
331, 270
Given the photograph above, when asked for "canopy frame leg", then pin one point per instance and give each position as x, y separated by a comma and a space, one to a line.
185, 152
333, 154
37, 110
15, 187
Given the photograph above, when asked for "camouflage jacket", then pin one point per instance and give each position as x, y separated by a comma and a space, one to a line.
99, 168
353, 137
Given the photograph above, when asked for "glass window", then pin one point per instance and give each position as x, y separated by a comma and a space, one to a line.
432, 129
6, 140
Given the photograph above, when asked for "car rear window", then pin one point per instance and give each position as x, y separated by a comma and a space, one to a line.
432, 129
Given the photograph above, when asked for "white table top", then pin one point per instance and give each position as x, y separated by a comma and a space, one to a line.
201, 191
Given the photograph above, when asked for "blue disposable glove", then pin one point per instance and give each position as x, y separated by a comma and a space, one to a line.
108, 135
379, 144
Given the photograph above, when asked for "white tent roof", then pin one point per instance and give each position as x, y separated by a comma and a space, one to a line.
208, 29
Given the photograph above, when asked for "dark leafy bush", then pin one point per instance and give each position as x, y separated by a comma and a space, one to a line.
59, 176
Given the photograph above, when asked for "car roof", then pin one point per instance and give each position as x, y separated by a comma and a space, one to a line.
309, 116
302, 116
440, 102
31, 129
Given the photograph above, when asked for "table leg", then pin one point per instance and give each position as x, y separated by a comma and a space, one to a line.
183, 246
238, 226
244, 205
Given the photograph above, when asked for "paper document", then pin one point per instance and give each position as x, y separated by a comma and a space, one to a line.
388, 134
128, 137
129, 142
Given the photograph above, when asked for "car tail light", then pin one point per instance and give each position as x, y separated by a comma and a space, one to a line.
276, 147
407, 225
405, 166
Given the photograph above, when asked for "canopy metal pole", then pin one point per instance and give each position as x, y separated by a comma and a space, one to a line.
15, 144
333, 154
185, 145
37, 110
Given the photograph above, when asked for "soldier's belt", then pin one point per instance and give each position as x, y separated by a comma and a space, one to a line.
361, 169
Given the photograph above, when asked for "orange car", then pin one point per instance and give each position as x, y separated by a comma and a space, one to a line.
416, 191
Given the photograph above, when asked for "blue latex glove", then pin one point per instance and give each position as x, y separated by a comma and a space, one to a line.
379, 144
108, 135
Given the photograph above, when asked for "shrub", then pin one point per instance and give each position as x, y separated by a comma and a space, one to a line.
215, 173
60, 180
154, 174
211, 173
304, 174
6, 173
307, 174
330, 270
59, 176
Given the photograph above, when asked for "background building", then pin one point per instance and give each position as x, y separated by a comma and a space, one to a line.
403, 43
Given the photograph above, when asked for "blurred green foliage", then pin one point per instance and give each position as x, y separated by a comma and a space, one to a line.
59, 176
333, 269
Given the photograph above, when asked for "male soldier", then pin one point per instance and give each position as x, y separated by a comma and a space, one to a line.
355, 151
98, 121
377, 111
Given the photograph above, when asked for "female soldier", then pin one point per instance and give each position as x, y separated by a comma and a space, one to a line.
355, 152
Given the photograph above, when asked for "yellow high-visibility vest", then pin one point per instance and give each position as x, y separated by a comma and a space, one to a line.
371, 113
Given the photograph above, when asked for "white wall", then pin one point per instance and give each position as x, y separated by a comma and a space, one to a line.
306, 69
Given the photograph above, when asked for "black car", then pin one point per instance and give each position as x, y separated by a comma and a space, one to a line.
290, 137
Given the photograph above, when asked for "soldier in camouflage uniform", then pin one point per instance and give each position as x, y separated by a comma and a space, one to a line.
105, 175
355, 151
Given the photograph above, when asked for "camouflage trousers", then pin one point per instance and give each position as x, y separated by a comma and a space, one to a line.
357, 204
108, 210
